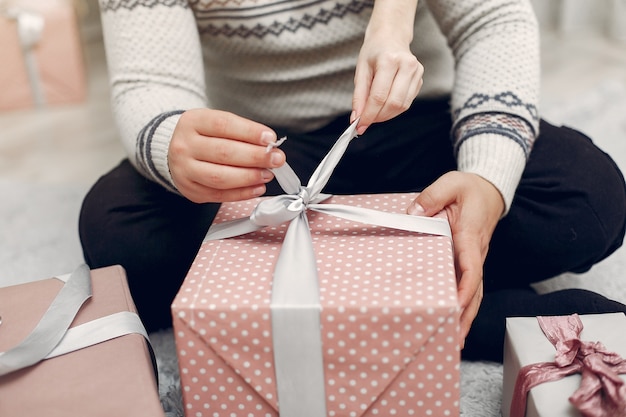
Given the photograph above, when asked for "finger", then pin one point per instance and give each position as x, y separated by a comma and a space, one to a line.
236, 153
435, 197
408, 82
225, 177
415, 87
396, 102
468, 260
219, 188
469, 265
378, 95
199, 193
468, 315
362, 84
222, 124
403, 90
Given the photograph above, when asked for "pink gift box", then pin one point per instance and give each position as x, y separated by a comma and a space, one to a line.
389, 318
55, 61
112, 378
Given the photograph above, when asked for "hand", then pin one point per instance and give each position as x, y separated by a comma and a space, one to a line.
388, 77
474, 207
216, 156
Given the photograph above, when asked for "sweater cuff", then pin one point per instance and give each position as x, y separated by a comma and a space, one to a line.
153, 148
160, 148
496, 158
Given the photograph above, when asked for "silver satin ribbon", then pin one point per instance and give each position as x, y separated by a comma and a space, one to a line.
98, 331
52, 336
30, 27
295, 304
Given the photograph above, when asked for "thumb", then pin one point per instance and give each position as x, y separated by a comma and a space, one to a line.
433, 199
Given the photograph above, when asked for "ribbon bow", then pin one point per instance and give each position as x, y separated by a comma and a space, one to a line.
288, 207
295, 305
602, 393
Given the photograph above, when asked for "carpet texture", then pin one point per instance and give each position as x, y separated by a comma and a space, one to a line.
40, 239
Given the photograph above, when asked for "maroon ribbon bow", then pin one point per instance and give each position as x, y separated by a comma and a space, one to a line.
602, 393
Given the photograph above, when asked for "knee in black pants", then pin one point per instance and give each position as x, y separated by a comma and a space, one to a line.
569, 213
154, 234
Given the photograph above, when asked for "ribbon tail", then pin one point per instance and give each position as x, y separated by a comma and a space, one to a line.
420, 224
287, 179
295, 313
324, 170
532, 375
231, 228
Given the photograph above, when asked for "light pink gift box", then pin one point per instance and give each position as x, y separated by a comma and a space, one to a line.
389, 318
112, 378
58, 60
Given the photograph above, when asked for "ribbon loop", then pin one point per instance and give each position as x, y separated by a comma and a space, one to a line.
563, 333
275, 210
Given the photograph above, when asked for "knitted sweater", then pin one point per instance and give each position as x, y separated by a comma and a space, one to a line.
290, 64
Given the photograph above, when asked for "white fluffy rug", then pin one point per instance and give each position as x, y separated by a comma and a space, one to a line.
40, 239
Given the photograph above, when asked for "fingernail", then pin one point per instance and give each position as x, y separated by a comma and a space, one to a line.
267, 175
267, 137
361, 129
276, 159
415, 209
257, 191
352, 116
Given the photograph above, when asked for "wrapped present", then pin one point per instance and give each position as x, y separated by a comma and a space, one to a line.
565, 366
41, 53
74, 346
320, 306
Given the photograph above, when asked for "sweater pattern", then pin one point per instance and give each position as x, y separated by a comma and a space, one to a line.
215, 19
505, 122
114, 5
501, 124
506, 98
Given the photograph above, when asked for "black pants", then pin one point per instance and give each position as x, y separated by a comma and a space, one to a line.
569, 211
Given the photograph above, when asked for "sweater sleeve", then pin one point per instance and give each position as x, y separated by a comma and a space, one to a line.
495, 44
156, 72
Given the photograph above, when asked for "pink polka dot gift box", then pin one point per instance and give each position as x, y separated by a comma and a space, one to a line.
375, 334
